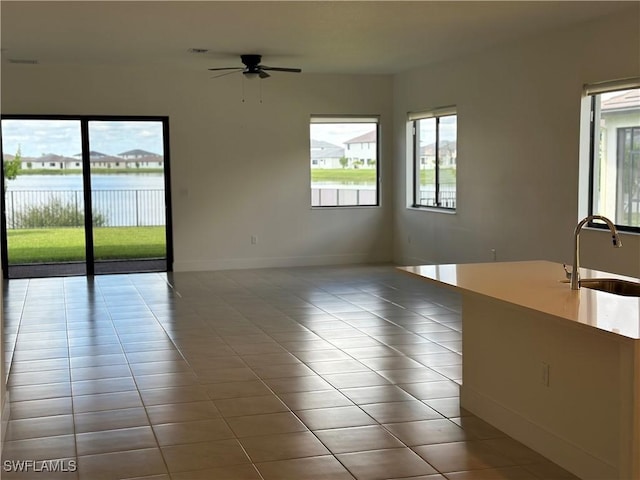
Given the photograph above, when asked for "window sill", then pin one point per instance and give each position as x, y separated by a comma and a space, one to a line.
446, 211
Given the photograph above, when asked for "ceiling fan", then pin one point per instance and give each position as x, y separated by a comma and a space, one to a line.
253, 68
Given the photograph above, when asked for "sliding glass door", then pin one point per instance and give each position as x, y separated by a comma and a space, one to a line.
85, 195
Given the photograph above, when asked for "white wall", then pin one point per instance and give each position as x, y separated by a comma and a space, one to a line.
518, 148
238, 168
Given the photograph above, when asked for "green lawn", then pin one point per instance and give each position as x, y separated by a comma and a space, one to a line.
368, 175
67, 244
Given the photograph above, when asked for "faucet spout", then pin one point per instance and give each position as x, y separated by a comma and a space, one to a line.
615, 238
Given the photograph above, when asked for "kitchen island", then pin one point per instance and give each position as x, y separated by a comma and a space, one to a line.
555, 368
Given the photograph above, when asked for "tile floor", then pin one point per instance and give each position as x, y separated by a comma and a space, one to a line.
299, 373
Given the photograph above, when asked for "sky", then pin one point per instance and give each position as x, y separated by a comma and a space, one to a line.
62, 137
338, 133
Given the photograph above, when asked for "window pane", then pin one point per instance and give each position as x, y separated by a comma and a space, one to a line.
426, 167
344, 163
447, 153
616, 157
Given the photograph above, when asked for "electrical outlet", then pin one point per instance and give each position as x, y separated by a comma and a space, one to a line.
254, 240
544, 374
494, 254
409, 239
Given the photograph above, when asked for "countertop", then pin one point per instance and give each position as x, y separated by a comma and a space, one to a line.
538, 285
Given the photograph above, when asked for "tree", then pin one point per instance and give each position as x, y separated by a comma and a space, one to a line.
344, 161
11, 168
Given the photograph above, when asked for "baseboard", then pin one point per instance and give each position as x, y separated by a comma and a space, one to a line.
557, 449
275, 262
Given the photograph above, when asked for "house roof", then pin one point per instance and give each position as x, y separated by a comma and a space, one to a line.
627, 100
431, 148
138, 153
322, 149
365, 138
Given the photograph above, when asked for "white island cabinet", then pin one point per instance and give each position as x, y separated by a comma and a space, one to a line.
555, 368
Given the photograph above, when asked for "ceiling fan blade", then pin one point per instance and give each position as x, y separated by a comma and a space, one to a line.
281, 69
227, 73
225, 68
263, 74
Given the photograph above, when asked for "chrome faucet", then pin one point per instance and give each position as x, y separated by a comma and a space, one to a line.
617, 243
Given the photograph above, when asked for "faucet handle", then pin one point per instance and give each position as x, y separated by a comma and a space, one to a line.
566, 271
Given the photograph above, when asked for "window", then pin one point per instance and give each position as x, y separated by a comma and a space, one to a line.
434, 158
344, 171
614, 153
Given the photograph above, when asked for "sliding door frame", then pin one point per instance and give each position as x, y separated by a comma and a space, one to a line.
86, 179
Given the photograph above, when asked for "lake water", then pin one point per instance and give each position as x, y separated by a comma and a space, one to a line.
129, 181
122, 200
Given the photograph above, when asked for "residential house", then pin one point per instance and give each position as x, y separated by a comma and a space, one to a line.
326, 155
362, 150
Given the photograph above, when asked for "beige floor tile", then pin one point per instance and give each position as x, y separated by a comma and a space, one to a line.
322, 355
41, 448
448, 407
179, 394
22, 429
36, 378
396, 412
282, 371
110, 419
336, 417
426, 432
106, 401
118, 440
268, 424
249, 388
182, 412
312, 468
39, 392
383, 464
118, 465
99, 372
204, 455
284, 358
355, 379
151, 368
358, 439
221, 375
505, 473
103, 385
412, 375
477, 428
238, 407
376, 394
430, 390
41, 408
315, 399
164, 380
192, 432
283, 446
297, 384
461, 456
337, 366
230, 472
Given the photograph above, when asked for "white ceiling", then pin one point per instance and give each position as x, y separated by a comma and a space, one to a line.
362, 37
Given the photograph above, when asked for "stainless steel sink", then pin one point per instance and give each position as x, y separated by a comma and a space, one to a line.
612, 285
